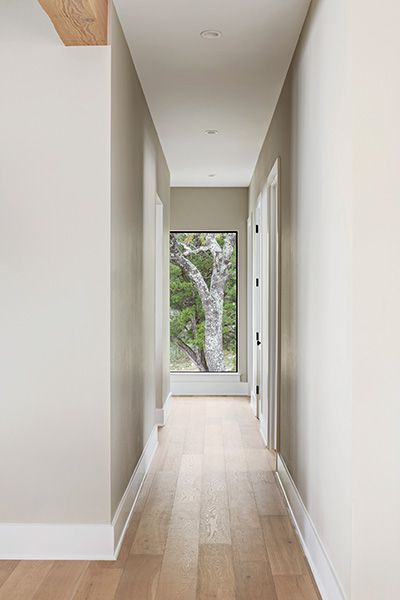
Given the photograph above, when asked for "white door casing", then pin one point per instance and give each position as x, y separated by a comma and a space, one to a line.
159, 297
264, 297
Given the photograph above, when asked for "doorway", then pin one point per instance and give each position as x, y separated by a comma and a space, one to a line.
159, 297
264, 322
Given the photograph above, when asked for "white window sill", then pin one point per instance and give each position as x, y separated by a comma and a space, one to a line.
208, 384
200, 376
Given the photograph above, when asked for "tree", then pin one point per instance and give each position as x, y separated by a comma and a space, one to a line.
203, 306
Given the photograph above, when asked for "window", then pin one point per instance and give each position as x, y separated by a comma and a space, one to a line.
203, 301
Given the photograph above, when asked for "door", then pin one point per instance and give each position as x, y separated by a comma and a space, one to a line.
252, 374
265, 324
257, 331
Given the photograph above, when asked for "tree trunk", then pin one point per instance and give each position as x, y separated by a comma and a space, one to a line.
215, 309
213, 347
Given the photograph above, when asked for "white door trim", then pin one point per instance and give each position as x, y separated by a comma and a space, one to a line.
273, 204
266, 317
250, 314
158, 297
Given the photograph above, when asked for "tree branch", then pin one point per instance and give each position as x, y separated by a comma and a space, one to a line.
194, 356
213, 244
188, 250
228, 246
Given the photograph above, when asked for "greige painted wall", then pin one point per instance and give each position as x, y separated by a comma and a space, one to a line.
71, 448
54, 274
311, 133
218, 208
138, 173
376, 302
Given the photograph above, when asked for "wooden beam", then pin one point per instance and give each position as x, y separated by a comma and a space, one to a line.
79, 22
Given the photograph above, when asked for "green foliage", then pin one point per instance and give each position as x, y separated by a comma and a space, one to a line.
186, 313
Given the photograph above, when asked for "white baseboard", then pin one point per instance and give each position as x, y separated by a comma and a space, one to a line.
123, 513
162, 414
31, 541
38, 541
321, 566
208, 384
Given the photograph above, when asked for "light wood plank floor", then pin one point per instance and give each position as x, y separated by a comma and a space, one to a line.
210, 523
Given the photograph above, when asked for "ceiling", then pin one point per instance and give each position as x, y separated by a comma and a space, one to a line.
231, 83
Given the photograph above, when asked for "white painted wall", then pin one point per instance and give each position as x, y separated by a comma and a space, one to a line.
376, 289
54, 273
311, 133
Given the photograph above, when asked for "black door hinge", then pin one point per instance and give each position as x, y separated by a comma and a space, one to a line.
257, 282
258, 338
257, 389
256, 228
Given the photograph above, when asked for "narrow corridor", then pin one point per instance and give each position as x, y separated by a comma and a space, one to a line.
210, 522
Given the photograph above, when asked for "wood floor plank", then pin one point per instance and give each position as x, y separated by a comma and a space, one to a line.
139, 579
159, 459
232, 437
246, 531
269, 499
251, 438
284, 552
210, 523
215, 408
6, 568
213, 436
162, 494
216, 576
195, 432
214, 460
194, 439
241, 496
254, 581
248, 544
98, 583
61, 581
259, 459
292, 587
235, 459
173, 455
267, 476
178, 578
188, 489
125, 547
25, 580
151, 535
214, 513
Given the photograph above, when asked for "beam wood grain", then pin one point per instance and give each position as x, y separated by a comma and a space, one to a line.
79, 22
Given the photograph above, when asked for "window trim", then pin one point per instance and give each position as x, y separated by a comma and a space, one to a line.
237, 370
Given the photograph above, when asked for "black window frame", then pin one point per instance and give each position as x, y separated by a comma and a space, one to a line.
236, 232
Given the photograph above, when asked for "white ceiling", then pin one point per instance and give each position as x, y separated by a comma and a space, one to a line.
231, 84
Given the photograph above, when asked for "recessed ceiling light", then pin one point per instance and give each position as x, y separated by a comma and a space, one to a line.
211, 131
212, 174
210, 34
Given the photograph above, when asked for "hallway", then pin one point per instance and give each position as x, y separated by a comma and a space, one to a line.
210, 522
